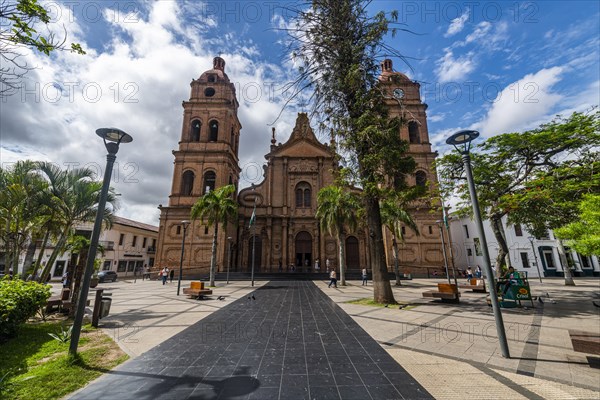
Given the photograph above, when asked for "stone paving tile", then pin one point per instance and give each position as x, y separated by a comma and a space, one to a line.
291, 342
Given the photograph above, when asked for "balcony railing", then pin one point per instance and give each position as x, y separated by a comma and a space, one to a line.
151, 249
108, 245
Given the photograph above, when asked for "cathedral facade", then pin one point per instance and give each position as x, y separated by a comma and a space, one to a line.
285, 235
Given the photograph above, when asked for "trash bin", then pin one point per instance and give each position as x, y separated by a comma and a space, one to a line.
105, 307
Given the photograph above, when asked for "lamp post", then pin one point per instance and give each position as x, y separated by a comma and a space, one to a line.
229, 240
537, 265
185, 225
112, 139
462, 143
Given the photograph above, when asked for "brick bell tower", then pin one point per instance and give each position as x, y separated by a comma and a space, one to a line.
207, 158
404, 101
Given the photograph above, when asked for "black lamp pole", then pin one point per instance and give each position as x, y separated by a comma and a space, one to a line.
462, 142
185, 224
112, 139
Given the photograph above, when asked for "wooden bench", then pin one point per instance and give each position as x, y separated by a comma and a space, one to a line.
585, 342
197, 290
475, 284
447, 292
55, 303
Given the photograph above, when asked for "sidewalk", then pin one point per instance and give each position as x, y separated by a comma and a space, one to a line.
452, 349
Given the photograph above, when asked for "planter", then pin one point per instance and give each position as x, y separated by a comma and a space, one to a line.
94, 282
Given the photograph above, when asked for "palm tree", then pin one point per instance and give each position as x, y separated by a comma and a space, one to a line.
338, 207
75, 199
216, 206
393, 214
19, 208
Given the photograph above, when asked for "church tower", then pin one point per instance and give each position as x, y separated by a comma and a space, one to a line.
207, 158
404, 101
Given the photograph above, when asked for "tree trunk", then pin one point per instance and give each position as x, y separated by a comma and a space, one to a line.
213, 258
498, 229
382, 289
28, 262
77, 278
38, 263
342, 254
565, 263
396, 264
57, 249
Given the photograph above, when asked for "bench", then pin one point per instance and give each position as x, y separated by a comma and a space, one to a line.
56, 302
585, 342
475, 284
447, 292
197, 290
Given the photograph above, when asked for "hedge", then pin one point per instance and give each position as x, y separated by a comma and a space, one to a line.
19, 301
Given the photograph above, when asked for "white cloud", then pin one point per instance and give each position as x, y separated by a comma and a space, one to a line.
457, 24
454, 69
137, 83
522, 104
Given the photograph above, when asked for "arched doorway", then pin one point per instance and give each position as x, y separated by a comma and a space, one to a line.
303, 251
257, 252
352, 253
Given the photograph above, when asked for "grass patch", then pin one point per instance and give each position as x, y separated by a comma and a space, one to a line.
36, 366
368, 301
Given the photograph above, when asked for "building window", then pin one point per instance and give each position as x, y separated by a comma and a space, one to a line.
195, 132
107, 264
144, 243
134, 241
469, 252
421, 178
121, 239
151, 262
525, 260
518, 230
466, 228
209, 181
232, 137
303, 195
178, 231
206, 230
477, 245
153, 242
213, 133
403, 230
212, 78
187, 183
430, 229
413, 132
122, 266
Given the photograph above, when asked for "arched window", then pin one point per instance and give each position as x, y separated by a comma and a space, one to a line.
195, 131
413, 132
209, 182
213, 134
421, 178
303, 195
187, 183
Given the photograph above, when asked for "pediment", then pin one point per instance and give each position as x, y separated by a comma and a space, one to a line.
302, 149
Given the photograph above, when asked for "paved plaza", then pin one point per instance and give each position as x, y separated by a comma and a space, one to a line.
303, 340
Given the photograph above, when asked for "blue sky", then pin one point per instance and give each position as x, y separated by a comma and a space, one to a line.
492, 66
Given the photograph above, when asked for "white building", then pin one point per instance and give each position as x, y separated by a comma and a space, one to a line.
128, 245
466, 249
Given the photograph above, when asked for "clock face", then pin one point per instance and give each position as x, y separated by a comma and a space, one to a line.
398, 93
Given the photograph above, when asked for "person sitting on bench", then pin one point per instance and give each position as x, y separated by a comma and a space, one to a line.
511, 276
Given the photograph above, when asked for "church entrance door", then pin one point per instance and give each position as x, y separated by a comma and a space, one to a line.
352, 253
303, 252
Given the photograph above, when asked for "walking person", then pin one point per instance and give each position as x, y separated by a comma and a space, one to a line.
469, 274
317, 265
478, 272
164, 273
171, 275
364, 277
333, 279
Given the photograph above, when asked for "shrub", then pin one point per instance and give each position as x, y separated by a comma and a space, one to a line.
19, 300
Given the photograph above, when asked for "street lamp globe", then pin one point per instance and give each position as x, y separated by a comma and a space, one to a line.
464, 138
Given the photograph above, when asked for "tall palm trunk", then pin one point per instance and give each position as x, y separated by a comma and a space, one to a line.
213, 258
38, 262
562, 254
396, 263
57, 250
77, 278
342, 255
